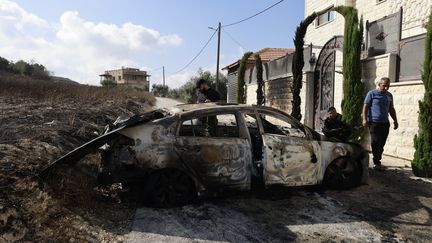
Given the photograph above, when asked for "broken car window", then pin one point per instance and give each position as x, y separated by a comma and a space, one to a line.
223, 125
275, 125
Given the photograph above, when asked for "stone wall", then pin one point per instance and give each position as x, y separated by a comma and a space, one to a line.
406, 96
415, 13
319, 35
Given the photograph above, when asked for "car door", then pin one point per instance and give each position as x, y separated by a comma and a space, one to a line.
290, 156
212, 146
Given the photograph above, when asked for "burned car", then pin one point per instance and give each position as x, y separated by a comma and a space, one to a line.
174, 155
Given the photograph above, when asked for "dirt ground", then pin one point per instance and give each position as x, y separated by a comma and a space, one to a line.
393, 207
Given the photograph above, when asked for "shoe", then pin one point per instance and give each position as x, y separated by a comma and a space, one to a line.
380, 167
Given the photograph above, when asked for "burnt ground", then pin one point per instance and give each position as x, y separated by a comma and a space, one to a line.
34, 131
39, 122
393, 207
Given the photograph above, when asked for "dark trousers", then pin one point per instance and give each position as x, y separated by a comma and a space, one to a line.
379, 133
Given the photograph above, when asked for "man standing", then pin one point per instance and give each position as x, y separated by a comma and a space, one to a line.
208, 94
378, 104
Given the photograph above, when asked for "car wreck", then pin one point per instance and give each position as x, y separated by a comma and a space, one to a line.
172, 156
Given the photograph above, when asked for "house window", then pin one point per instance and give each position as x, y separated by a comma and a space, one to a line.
119, 78
326, 17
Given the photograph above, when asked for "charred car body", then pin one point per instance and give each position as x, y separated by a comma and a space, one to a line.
173, 156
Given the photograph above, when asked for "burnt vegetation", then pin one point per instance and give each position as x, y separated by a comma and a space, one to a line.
41, 120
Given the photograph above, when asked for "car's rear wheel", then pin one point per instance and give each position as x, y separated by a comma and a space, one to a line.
169, 188
343, 173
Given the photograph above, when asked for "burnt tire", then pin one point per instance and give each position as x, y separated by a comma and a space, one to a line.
169, 188
343, 173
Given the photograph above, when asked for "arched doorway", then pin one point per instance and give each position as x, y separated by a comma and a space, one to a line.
324, 80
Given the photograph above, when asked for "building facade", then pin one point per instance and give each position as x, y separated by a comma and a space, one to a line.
132, 77
266, 54
393, 47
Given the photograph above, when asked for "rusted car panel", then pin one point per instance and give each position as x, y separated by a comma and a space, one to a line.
290, 161
219, 162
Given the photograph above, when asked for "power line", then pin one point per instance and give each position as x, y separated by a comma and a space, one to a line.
232, 38
262, 11
196, 56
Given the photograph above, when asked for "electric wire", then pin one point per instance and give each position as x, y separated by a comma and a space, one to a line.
197, 55
233, 39
260, 12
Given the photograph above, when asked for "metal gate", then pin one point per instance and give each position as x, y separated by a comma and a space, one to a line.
324, 80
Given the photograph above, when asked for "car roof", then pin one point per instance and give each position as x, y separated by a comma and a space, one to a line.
189, 109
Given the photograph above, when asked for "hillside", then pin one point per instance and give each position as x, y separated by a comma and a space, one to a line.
40, 121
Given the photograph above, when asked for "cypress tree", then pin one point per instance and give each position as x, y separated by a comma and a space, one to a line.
260, 81
353, 88
422, 162
241, 96
298, 64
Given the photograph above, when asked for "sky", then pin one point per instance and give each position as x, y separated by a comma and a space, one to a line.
80, 39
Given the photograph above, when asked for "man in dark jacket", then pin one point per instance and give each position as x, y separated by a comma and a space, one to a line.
208, 94
334, 127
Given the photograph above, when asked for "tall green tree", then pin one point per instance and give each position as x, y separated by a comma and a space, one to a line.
422, 162
241, 95
260, 80
353, 88
298, 64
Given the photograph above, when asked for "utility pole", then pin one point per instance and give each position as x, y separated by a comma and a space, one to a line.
163, 75
217, 61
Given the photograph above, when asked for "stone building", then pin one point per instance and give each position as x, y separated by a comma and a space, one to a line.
394, 43
128, 76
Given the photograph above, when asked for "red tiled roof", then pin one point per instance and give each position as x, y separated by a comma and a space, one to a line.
266, 54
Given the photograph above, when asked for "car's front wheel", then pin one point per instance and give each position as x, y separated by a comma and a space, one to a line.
342, 173
169, 188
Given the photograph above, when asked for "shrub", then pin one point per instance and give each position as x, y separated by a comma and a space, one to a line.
422, 162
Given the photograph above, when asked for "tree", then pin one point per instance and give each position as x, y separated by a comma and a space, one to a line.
241, 95
108, 83
159, 90
353, 88
260, 81
22, 67
422, 162
188, 92
4, 64
39, 71
298, 64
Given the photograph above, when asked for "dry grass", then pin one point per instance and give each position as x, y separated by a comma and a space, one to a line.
17, 86
40, 121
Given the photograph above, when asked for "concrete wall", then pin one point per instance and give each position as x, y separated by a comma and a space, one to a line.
251, 94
